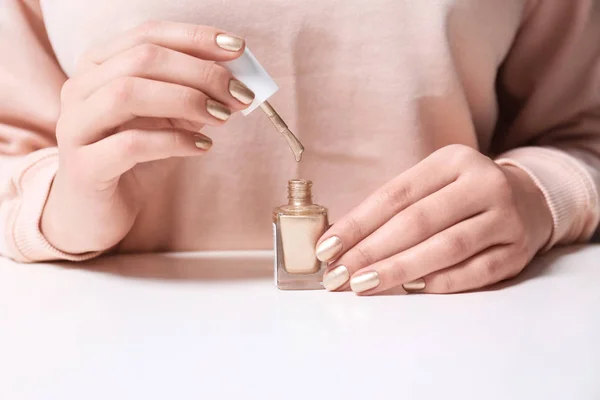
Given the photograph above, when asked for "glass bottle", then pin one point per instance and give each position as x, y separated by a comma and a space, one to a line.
298, 226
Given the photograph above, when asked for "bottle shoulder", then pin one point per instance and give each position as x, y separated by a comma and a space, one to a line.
310, 210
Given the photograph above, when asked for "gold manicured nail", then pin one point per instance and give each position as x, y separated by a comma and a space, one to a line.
241, 92
415, 286
335, 278
217, 110
329, 248
203, 142
367, 281
228, 42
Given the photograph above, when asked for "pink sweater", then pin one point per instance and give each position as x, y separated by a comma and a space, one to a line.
370, 87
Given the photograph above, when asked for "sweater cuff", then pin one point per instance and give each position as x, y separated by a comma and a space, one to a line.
33, 185
568, 188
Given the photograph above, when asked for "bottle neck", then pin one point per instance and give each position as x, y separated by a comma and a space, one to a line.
300, 192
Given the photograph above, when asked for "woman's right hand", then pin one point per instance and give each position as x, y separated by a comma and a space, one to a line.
136, 99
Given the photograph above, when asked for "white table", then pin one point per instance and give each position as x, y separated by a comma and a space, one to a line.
212, 326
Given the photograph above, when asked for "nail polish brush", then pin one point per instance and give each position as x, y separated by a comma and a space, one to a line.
251, 73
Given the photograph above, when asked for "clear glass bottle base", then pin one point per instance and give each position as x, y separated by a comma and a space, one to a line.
287, 281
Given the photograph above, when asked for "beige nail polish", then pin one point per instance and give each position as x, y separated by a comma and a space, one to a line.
415, 286
362, 283
203, 142
336, 278
241, 92
217, 110
329, 249
298, 226
230, 43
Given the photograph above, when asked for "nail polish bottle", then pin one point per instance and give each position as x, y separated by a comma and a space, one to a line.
298, 226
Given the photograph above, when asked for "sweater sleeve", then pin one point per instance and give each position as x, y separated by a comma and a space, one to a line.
549, 100
30, 84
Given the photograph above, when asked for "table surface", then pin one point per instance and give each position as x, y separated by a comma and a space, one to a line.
212, 325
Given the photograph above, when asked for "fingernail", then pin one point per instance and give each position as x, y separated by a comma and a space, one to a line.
336, 278
241, 92
329, 248
415, 285
217, 110
362, 283
228, 42
203, 142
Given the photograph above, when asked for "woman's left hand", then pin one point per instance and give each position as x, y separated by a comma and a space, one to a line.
456, 221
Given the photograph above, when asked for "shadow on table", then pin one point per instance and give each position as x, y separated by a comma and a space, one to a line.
192, 267
539, 268
215, 267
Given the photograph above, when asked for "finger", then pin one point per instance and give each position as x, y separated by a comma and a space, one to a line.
151, 124
120, 152
427, 177
418, 222
203, 42
128, 98
491, 266
161, 64
440, 251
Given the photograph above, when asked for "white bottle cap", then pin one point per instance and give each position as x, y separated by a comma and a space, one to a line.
248, 70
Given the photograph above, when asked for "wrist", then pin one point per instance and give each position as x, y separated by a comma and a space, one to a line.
532, 204
71, 225
55, 224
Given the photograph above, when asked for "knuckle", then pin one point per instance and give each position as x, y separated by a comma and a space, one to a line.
398, 274
419, 221
212, 73
460, 153
448, 283
221, 75
455, 246
490, 269
178, 140
496, 176
131, 145
455, 148
395, 197
121, 91
365, 255
146, 29
144, 56
353, 226
190, 100
196, 34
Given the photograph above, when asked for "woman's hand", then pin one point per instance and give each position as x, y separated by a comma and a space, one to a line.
456, 221
138, 98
